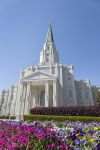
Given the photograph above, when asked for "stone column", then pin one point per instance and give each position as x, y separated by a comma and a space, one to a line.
26, 111
54, 93
15, 101
46, 94
23, 100
58, 94
33, 100
9, 100
34, 94
19, 102
1, 100
29, 99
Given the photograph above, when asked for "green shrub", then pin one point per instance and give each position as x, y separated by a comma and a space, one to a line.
61, 118
12, 117
7, 117
88, 110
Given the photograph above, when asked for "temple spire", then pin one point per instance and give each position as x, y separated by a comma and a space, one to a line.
49, 38
49, 53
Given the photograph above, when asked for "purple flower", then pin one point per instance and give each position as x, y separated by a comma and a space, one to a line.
98, 146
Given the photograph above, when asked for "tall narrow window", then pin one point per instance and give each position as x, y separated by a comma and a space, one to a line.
70, 93
47, 57
42, 98
86, 95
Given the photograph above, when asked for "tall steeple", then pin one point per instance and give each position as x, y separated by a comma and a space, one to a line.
49, 38
49, 54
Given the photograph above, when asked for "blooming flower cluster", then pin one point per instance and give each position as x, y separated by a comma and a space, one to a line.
79, 135
49, 135
30, 136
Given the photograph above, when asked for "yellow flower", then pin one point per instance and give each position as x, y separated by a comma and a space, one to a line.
77, 135
96, 128
84, 138
92, 140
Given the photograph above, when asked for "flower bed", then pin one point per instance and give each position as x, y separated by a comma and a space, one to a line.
49, 135
33, 136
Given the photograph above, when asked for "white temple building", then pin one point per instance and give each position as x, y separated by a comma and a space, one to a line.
49, 83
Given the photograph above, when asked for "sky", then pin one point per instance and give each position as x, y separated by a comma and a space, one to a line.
23, 29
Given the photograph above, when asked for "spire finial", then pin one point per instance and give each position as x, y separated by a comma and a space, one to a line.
49, 38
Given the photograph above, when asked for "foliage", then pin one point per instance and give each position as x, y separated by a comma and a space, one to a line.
98, 97
68, 110
7, 117
61, 118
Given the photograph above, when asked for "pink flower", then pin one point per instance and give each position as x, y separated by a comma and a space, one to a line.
51, 146
14, 145
63, 147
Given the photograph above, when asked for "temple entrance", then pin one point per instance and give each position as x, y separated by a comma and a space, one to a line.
42, 94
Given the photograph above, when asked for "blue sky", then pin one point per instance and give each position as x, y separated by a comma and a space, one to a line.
23, 28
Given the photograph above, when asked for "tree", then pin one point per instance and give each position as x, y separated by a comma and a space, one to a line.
98, 97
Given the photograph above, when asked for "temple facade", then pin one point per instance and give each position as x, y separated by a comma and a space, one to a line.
50, 83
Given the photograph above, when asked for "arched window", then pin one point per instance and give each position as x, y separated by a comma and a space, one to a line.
42, 95
42, 98
47, 59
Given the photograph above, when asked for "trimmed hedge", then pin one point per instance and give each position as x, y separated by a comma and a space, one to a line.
61, 118
7, 117
93, 110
